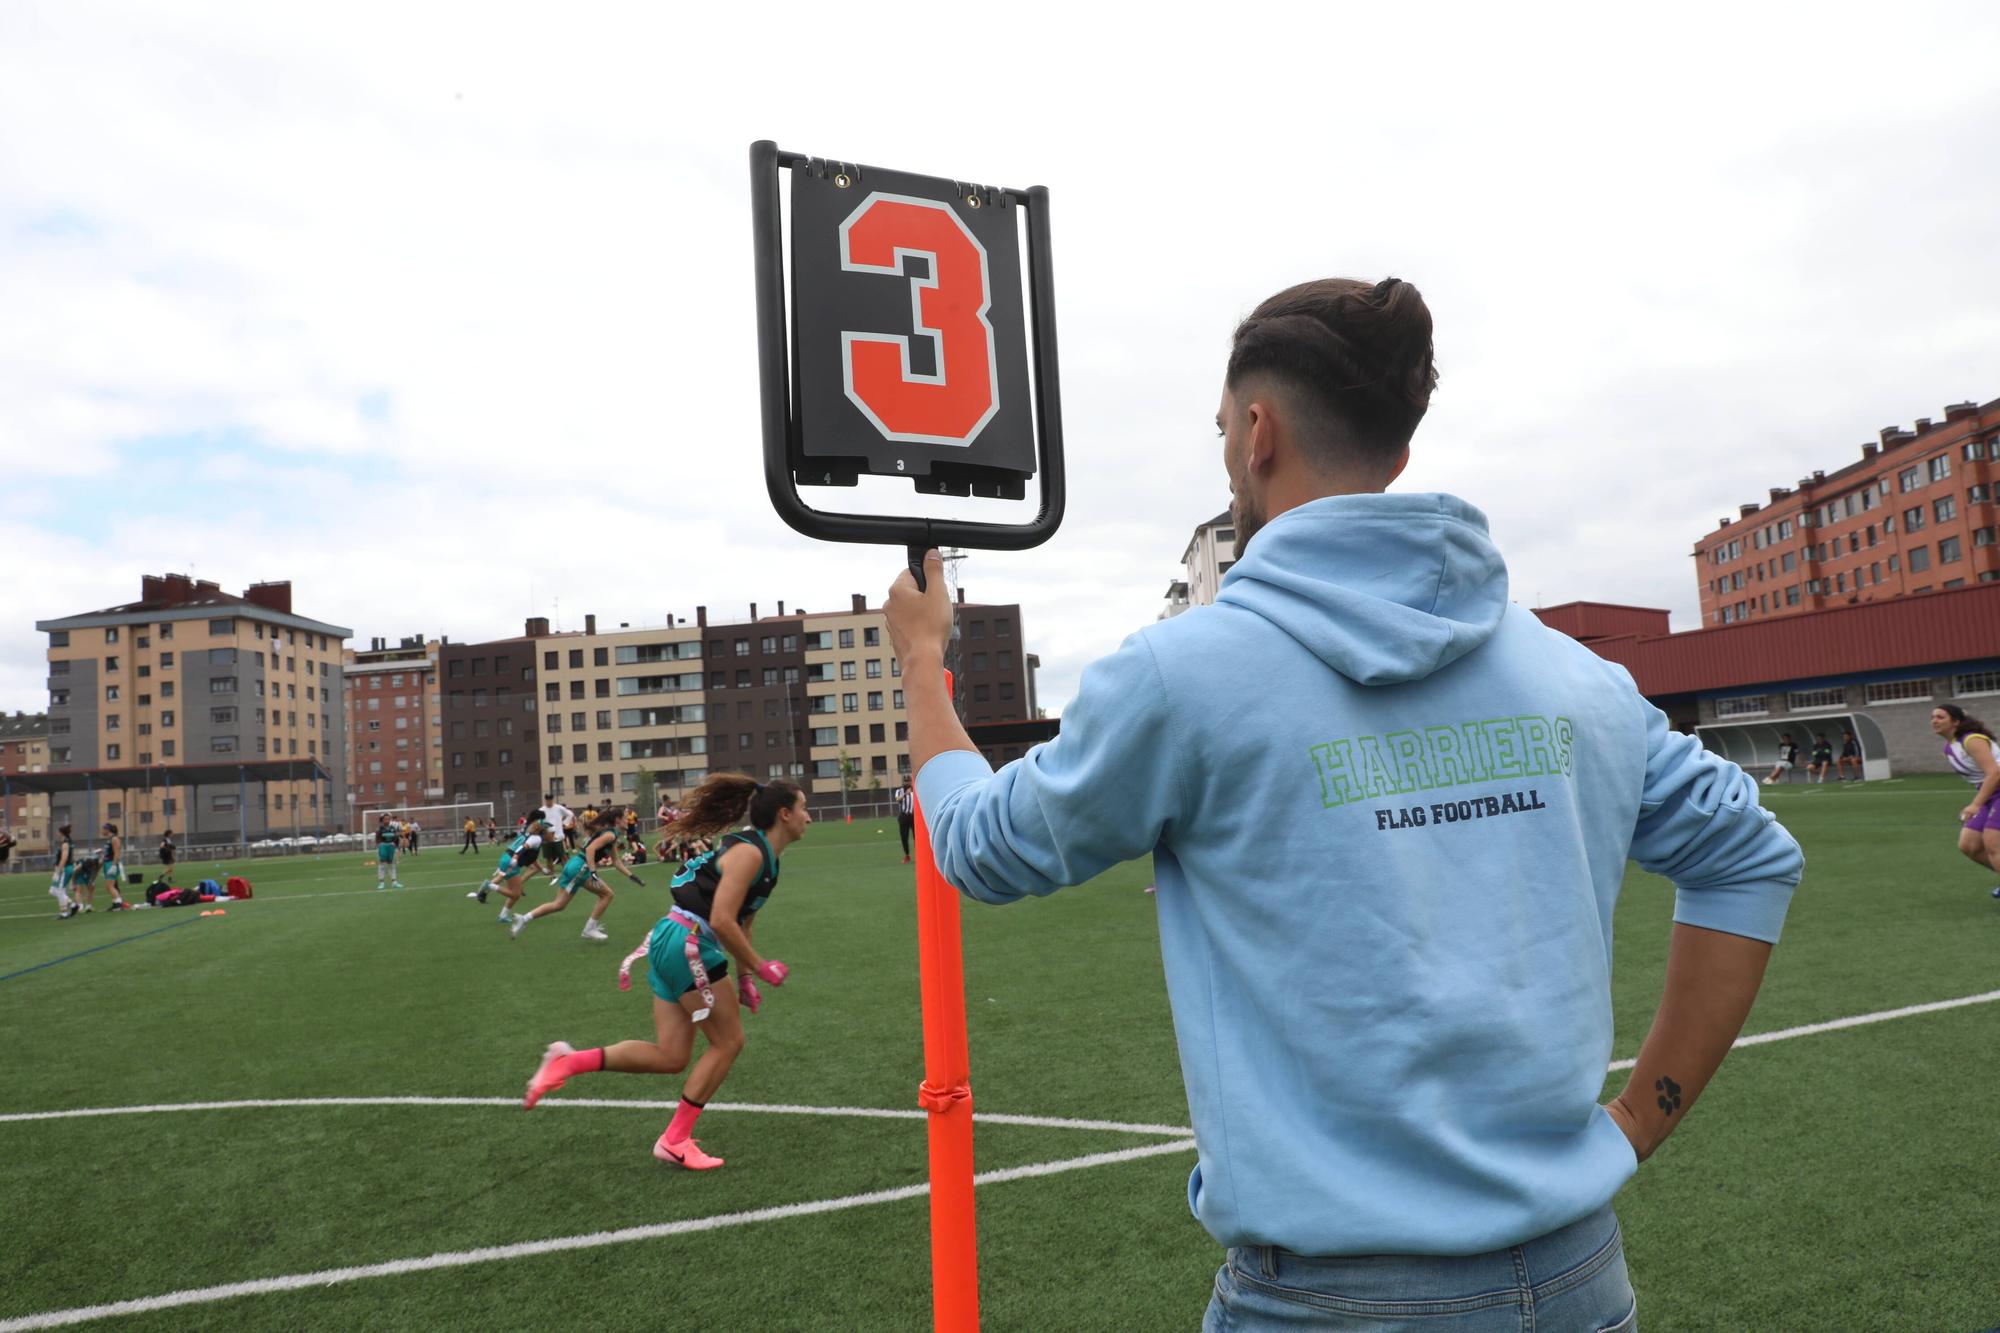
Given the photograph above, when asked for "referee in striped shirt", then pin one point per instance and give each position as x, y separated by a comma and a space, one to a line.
906, 814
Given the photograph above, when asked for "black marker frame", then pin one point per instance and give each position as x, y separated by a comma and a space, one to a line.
783, 455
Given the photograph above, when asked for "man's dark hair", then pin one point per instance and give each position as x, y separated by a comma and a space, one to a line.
1357, 355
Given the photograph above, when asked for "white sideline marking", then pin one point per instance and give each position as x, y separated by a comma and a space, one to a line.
492, 1253
1859, 1020
625, 1103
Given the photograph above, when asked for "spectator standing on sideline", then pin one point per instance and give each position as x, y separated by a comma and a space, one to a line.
492, 831
1387, 875
1850, 753
1788, 756
167, 853
1822, 758
906, 814
6, 848
471, 837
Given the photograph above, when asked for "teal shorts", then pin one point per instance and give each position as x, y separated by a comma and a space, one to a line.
385, 851
86, 875
114, 874
508, 870
667, 965
66, 876
576, 873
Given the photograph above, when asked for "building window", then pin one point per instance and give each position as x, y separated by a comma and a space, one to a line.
1975, 682
1945, 509
1908, 479
743, 647
58, 638
1920, 559
850, 703
977, 630
1982, 536
898, 700
600, 657
875, 700
1948, 550
221, 628
1940, 467
1913, 519
1803, 699
1742, 705
222, 745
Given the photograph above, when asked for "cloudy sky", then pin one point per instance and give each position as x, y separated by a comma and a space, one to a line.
443, 312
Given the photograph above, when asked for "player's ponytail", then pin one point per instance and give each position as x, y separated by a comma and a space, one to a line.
728, 799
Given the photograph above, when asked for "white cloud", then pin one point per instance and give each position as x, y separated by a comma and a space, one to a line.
1672, 264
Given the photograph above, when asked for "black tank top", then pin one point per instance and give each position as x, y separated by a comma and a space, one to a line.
695, 886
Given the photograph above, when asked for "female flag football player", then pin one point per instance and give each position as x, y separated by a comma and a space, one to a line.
580, 873
517, 862
64, 873
114, 866
1968, 747
386, 839
715, 897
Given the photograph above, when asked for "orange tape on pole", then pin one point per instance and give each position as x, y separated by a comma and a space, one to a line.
947, 1094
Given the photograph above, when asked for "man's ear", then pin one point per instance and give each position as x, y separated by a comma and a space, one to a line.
1396, 470
1263, 426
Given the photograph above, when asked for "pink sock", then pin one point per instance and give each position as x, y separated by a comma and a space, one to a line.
683, 1124
584, 1062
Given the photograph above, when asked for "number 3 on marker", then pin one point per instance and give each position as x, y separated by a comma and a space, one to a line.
948, 306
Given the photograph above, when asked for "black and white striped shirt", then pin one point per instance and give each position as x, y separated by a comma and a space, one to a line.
906, 800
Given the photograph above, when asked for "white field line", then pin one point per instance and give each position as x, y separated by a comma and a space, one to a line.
1858, 1020
593, 1240
623, 1103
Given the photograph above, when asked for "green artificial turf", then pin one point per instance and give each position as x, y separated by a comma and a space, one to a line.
1836, 1181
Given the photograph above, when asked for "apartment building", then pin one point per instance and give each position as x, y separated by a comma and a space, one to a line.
491, 714
814, 697
1210, 554
395, 726
613, 704
24, 748
1915, 514
191, 676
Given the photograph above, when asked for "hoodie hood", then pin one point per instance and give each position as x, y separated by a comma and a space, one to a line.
1382, 588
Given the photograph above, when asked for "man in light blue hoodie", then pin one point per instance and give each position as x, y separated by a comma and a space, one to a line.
1389, 813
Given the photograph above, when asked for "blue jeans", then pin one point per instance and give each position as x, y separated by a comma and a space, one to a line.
1572, 1280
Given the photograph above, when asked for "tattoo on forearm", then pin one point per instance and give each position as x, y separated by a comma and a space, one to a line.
1670, 1094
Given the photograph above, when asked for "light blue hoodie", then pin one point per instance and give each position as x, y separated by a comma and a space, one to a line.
1389, 813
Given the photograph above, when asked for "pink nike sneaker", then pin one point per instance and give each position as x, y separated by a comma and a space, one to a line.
686, 1153
553, 1073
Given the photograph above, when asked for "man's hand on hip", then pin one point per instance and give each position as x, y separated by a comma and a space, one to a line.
919, 622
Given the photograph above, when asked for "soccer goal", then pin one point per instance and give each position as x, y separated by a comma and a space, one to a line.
437, 825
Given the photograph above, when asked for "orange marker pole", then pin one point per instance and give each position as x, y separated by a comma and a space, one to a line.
947, 1094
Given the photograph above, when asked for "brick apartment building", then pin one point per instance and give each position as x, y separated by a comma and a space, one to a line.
491, 718
24, 748
190, 675
395, 726
1914, 514
815, 697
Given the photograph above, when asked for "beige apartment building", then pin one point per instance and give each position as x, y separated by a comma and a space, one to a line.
187, 677
814, 697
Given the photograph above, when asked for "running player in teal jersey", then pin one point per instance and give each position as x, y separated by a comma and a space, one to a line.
579, 873
516, 864
715, 898
386, 838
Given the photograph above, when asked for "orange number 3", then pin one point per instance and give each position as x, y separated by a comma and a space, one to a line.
948, 305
